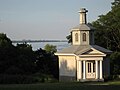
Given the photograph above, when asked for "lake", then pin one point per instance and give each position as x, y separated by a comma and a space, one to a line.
37, 45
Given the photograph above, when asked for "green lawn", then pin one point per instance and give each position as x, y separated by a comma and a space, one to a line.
63, 86
114, 83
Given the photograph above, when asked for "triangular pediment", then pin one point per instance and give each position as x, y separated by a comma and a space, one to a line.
93, 51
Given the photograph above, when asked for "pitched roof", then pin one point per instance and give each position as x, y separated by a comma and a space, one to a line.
99, 48
79, 49
83, 27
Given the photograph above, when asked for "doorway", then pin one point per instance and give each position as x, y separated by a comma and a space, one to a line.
90, 69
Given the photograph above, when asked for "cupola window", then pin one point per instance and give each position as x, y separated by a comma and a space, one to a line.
76, 37
84, 36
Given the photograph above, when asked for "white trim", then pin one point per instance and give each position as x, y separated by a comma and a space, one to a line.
69, 54
75, 30
97, 50
93, 55
63, 54
92, 58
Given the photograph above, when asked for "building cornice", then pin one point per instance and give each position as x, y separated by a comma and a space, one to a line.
65, 54
102, 55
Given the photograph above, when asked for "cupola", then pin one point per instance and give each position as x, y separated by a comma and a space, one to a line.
83, 34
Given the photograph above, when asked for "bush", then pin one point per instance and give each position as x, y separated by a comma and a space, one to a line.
41, 78
16, 79
115, 63
108, 78
112, 77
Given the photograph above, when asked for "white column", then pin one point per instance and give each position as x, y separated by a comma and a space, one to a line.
79, 70
84, 69
101, 73
96, 69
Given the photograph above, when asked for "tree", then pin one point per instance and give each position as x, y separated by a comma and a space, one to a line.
26, 58
108, 28
115, 63
69, 38
4, 40
46, 63
15, 59
116, 3
50, 48
7, 53
17, 63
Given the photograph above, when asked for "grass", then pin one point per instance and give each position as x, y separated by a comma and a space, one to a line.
114, 83
64, 86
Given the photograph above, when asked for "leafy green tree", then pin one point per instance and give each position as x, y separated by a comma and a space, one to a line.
116, 3
108, 28
69, 38
115, 63
17, 63
15, 59
4, 40
46, 63
50, 48
26, 58
7, 53
42, 61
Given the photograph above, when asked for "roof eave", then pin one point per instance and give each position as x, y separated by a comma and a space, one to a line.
103, 55
64, 54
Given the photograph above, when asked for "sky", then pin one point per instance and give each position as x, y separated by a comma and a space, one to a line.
46, 19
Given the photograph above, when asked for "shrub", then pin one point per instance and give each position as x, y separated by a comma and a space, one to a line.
41, 78
16, 79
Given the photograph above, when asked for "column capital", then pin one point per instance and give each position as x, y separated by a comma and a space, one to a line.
98, 60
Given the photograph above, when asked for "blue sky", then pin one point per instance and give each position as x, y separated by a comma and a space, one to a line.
46, 19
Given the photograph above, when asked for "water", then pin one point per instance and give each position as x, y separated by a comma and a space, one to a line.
59, 45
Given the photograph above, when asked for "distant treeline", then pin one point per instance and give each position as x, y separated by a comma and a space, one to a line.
32, 41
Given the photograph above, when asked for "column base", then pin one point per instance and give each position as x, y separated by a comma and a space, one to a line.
88, 80
102, 80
